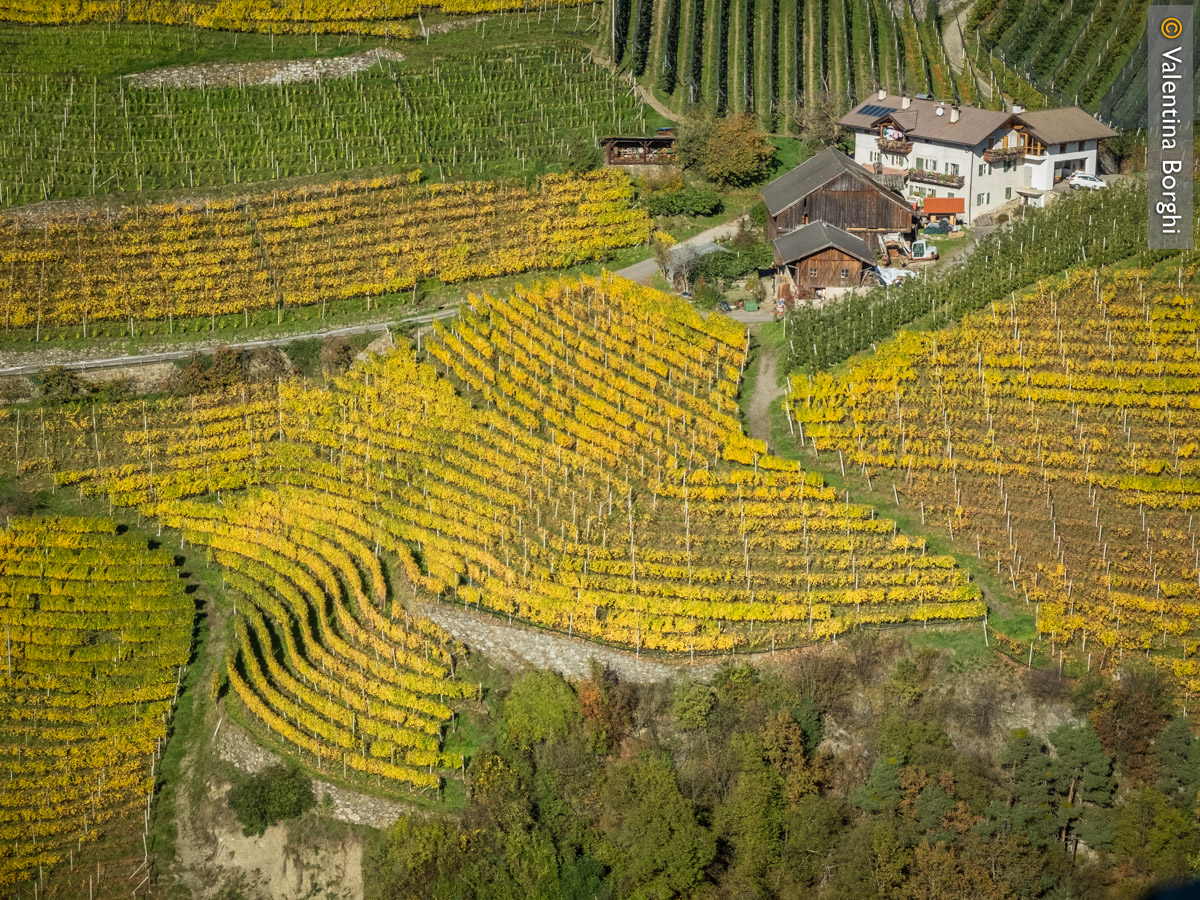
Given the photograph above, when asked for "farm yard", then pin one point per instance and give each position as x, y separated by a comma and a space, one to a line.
451, 564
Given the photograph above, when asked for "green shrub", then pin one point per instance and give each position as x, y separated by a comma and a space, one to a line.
690, 201
735, 264
758, 214
60, 384
305, 355
273, 795
706, 296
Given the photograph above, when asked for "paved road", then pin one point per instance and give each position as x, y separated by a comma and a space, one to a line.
168, 355
643, 271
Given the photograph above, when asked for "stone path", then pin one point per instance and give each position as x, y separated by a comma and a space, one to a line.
518, 647
643, 271
29, 362
239, 750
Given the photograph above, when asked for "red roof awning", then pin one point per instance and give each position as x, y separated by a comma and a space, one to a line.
944, 206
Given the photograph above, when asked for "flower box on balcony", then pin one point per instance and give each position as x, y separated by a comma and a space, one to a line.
927, 177
1003, 154
894, 145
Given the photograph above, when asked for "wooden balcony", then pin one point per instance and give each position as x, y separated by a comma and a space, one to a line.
936, 178
891, 145
1003, 154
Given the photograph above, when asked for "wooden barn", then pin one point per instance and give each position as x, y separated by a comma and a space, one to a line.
831, 187
818, 255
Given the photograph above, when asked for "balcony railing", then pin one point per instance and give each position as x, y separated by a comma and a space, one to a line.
1003, 154
926, 177
892, 145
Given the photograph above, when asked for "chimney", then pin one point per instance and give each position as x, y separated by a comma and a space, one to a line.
1017, 109
953, 114
883, 93
905, 103
878, 168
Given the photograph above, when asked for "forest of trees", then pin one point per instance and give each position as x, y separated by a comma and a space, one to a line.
840, 775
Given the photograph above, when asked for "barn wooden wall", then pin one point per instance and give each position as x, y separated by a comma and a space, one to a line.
829, 264
850, 205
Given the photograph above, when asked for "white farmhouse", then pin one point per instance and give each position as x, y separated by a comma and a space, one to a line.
983, 156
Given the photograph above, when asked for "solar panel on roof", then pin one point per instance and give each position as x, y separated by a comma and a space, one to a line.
876, 110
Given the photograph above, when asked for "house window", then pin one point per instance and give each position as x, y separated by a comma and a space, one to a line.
983, 199
1062, 148
1008, 193
845, 274
932, 193
981, 167
951, 168
812, 271
874, 156
920, 163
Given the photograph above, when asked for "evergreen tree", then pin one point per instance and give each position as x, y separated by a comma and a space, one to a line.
1082, 778
1177, 758
1155, 837
751, 821
654, 844
882, 791
1027, 777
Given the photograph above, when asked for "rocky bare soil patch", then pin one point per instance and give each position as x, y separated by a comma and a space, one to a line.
247, 74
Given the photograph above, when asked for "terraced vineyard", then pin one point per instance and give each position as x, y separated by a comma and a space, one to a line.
600, 484
770, 58
389, 17
1074, 51
355, 688
97, 629
1055, 437
301, 247
464, 116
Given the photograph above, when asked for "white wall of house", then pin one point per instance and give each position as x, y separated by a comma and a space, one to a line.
1062, 160
987, 186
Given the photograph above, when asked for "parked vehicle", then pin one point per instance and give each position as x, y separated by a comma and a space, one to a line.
1084, 180
918, 251
724, 307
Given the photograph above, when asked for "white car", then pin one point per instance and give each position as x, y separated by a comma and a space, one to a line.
1084, 180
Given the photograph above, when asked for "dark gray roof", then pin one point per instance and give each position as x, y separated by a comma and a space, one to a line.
811, 174
817, 236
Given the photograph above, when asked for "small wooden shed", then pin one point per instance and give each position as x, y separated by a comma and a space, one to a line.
821, 255
639, 150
